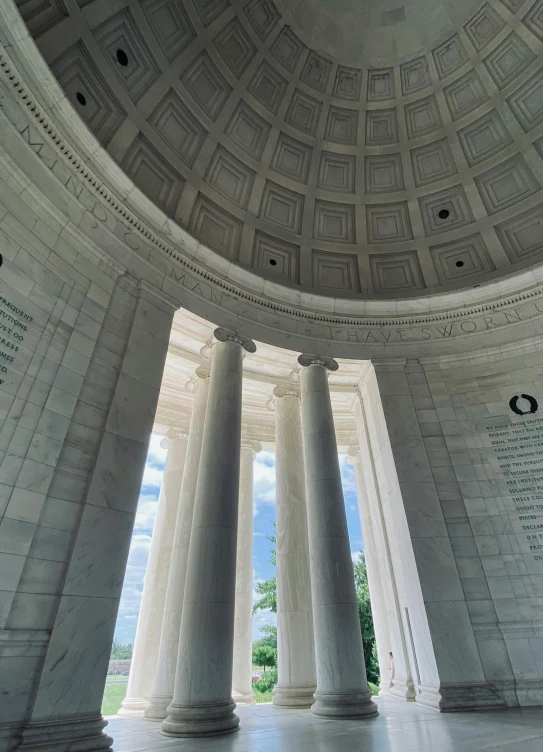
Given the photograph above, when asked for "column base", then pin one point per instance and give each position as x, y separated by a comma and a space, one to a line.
293, 697
133, 707
157, 708
403, 690
66, 735
10, 737
344, 705
244, 699
194, 721
456, 698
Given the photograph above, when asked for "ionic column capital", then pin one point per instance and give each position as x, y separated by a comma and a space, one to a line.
256, 446
226, 335
353, 452
202, 372
306, 360
285, 391
172, 435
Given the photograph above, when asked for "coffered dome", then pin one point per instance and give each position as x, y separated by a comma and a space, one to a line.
349, 147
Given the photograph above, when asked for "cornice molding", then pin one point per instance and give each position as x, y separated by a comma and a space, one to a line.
59, 117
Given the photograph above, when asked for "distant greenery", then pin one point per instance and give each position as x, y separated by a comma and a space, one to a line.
265, 656
268, 600
366, 619
114, 694
120, 652
263, 696
268, 589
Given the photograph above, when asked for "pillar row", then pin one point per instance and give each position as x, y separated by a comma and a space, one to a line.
295, 642
342, 687
146, 644
390, 576
242, 672
202, 704
377, 596
169, 636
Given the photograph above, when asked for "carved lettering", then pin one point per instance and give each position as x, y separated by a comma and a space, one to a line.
445, 330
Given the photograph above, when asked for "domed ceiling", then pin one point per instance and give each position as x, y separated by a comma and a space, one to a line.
352, 147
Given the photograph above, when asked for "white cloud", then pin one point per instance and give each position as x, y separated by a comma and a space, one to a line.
152, 476
261, 619
146, 513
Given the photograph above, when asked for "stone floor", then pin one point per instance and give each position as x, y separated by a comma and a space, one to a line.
400, 727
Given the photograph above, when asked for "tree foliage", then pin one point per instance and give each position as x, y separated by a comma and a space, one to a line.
268, 589
268, 600
120, 652
366, 619
265, 650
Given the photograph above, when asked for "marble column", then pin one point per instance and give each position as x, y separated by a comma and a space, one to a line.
377, 596
145, 654
202, 704
242, 672
392, 580
104, 479
342, 687
295, 641
169, 635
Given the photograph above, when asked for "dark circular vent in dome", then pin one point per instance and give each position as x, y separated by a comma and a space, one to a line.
327, 136
122, 58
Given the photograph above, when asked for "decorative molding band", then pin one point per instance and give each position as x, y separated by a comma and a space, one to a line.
428, 310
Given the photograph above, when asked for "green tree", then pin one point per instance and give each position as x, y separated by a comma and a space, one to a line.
268, 589
366, 619
120, 652
265, 650
268, 592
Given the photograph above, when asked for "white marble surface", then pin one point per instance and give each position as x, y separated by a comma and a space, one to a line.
168, 638
295, 639
400, 727
146, 644
391, 579
242, 664
342, 688
379, 609
202, 702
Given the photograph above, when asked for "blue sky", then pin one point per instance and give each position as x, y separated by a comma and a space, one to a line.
264, 508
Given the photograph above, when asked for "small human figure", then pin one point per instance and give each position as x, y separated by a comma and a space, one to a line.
391, 668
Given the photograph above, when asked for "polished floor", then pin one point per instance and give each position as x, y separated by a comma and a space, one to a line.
400, 727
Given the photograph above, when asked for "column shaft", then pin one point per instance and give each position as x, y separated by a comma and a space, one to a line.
202, 704
146, 644
295, 640
242, 673
103, 479
169, 637
342, 688
403, 683
378, 604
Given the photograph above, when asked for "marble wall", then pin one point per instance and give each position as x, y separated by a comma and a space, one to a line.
82, 349
466, 520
